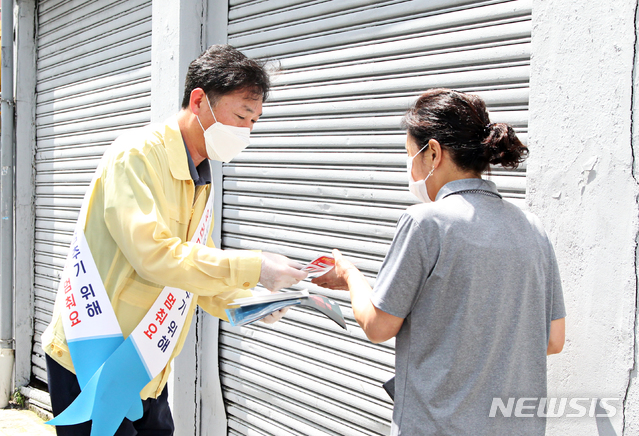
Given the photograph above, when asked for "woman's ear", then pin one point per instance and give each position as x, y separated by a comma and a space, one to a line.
437, 152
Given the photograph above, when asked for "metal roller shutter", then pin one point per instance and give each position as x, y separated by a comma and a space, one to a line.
93, 82
327, 169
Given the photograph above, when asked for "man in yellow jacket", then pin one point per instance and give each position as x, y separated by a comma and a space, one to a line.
148, 195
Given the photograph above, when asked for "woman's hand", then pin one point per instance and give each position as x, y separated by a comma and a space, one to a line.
337, 277
378, 325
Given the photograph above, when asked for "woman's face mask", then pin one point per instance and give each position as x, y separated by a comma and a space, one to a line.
418, 188
224, 142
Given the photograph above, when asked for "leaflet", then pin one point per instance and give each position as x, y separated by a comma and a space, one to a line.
319, 266
247, 313
269, 298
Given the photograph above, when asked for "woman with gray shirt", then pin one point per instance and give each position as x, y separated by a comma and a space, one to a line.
470, 286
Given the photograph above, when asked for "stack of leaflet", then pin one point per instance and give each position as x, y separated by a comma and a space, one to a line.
251, 309
247, 310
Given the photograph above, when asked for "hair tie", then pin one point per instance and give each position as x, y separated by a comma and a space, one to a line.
487, 128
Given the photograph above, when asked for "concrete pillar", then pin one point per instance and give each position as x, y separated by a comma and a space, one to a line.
177, 39
25, 189
213, 411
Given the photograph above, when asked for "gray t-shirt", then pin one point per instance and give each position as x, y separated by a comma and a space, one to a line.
476, 280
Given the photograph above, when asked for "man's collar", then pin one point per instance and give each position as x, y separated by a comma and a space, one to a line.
180, 162
201, 174
176, 150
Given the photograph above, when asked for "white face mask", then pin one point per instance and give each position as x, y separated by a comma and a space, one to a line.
418, 188
224, 142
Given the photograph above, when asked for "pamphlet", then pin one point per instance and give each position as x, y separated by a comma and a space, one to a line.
319, 266
269, 298
244, 312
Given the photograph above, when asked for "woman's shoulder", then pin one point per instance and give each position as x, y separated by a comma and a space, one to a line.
525, 215
453, 211
428, 215
537, 226
449, 208
528, 225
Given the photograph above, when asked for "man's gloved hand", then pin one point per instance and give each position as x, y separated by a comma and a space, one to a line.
275, 316
279, 271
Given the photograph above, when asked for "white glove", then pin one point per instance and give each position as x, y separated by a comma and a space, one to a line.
280, 272
275, 316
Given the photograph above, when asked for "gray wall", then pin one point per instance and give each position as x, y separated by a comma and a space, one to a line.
25, 186
581, 185
213, 414
181, 31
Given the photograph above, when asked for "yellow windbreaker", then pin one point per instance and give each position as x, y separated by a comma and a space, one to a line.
142, 213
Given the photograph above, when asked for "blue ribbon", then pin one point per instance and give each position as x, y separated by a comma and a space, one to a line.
112, 393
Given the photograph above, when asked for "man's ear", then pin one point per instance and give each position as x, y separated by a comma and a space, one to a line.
437, 152
196, 101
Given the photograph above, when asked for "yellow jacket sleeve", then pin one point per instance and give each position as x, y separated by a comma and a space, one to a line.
140, 202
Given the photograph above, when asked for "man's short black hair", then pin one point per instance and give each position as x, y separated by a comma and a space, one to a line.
223, 69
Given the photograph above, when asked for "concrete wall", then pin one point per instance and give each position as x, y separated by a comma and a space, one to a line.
581, 184
213, 412
25, 188
181, 31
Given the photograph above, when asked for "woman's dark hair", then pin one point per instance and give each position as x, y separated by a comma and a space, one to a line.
460, 123
222, 69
